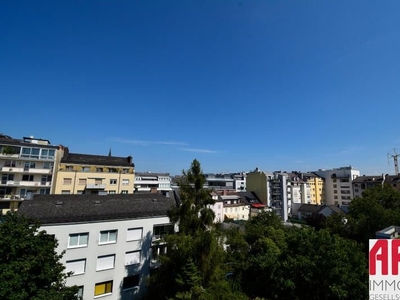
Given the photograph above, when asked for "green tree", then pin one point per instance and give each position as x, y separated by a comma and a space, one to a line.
30, 268
194, 266
298, 263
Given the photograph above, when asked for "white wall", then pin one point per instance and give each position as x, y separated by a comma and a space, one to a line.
93, 250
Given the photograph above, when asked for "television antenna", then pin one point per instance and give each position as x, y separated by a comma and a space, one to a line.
395, 159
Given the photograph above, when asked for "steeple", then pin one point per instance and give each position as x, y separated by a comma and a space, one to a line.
109, 153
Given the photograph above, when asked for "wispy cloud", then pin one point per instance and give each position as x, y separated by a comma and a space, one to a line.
198, 150
149, 143
347, 151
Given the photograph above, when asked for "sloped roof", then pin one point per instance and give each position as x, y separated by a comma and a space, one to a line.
99, 160
249, 198
309, 208
49, 209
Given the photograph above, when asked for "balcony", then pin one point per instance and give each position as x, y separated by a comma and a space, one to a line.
26, 183
12, 169
95, 186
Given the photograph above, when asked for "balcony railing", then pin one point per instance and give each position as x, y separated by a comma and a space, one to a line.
25, 183
95, 186
28, 170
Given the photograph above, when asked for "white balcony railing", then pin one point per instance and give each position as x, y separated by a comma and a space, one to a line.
27, 183
94, 186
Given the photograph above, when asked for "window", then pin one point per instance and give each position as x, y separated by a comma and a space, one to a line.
47, 154
30, 152
65, 192
99, 169
112, 170
77, 267
134, 234
9, 163
44, 191
124, 192
85, 169
98, 181
130, 282
334, 180
161, 230
69, 168
105, 262
29, 165
47, 165
109, 236
125, 181
79, 294
78, 240
103, 288
112, 192
113, 181
335, 191
67, 181
125, 171
132, 258
82, 181
27, 177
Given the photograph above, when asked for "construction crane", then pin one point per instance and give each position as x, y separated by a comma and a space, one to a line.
396, 163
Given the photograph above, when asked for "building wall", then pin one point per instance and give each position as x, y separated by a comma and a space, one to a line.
338, 185
22, 175
72, 179
146, 182
257, 182
317, 190
93, 250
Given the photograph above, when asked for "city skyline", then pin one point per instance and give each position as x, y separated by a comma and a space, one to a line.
235, 84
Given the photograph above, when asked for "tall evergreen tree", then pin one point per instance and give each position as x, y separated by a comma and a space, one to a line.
194, 264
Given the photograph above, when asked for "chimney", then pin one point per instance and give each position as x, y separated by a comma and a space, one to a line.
129, 159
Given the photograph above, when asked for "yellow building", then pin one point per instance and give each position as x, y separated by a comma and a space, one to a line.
317, 187
94, 174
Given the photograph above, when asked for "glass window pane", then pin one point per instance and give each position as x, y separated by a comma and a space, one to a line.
104, 237
83, 239
26, 150
52, 152
113, 236
73, 239
35, 151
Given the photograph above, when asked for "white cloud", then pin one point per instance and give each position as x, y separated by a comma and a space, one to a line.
148, 143
198, 150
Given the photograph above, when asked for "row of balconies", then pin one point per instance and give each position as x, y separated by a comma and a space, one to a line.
24, 170
25, 183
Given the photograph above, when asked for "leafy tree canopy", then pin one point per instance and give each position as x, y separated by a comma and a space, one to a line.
30, 268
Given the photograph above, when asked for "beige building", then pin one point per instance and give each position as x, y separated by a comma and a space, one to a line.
94, 174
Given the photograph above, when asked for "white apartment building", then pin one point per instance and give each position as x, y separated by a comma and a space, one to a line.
147, 181
111, 242
26, 168
338, 184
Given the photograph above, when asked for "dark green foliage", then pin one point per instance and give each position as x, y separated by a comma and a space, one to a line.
297, 263
378, 208
30, 268
194, 266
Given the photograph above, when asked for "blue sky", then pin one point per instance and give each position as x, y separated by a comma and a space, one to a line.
279, 85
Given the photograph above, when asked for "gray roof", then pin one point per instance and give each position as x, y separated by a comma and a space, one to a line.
309, 208
334, 208
249, 198
50, 209
99, 160
7, 140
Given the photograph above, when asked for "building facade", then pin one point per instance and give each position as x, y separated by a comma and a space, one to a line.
26, 168
94, 174
152, 181
338, 184
111, 242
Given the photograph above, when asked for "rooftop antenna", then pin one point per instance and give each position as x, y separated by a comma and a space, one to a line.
395, 159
